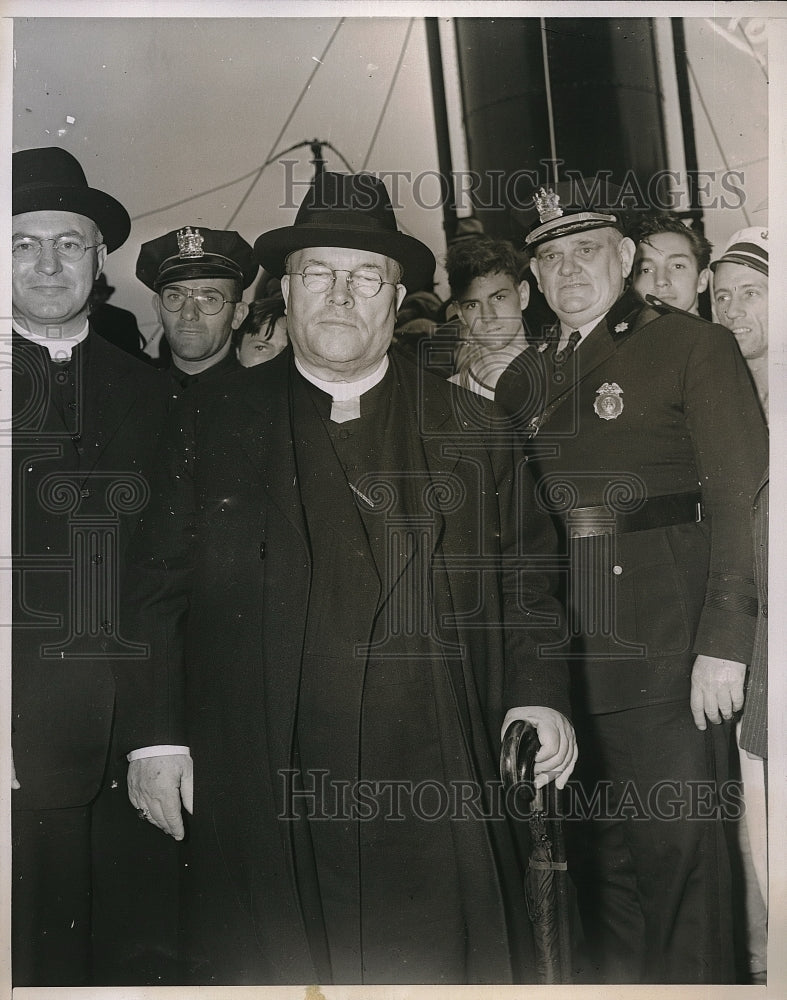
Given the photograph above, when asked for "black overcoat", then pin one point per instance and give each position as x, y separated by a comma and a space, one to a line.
84, 436
220, 575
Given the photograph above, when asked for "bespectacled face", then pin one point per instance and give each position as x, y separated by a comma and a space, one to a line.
255, 349
195, 337
740, 295
582, 274
50, 293
337, 334
491, 311
665, 266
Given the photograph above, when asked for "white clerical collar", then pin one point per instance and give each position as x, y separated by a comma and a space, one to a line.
346, 395
59, 348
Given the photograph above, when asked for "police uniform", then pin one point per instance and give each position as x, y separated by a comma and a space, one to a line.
196, 252
646, 450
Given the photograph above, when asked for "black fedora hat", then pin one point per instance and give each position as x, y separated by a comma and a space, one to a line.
50, 179
353, 211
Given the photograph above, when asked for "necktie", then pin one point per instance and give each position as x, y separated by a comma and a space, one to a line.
565, 353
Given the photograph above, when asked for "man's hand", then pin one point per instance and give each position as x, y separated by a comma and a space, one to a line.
158, 785
558, 754
716, 689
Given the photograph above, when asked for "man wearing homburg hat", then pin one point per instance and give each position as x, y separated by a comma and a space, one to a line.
647, 450
326, 568
198, 275
86, 417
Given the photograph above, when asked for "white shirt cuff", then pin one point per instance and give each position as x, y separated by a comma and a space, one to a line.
161, 751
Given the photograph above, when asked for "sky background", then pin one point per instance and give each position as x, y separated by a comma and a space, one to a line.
164, 109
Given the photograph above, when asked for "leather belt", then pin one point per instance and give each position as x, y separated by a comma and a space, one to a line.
658, 512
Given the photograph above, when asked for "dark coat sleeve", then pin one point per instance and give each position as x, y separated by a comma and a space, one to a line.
533, 617
730, 445
157, 581
754, 724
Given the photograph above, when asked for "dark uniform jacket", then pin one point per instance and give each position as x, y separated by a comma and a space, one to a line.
652, 404
754, 723
180, 381
84, 435
223, 577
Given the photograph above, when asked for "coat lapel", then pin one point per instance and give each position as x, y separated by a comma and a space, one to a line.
626, 317
107, 399
438, 430
268, 441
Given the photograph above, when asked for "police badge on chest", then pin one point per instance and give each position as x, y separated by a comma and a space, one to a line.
608, 403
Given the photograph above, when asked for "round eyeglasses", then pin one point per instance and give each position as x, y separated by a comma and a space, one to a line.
208, 300
29, 248
364, 283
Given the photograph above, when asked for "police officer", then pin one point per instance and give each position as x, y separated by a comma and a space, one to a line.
198, 276
647, 447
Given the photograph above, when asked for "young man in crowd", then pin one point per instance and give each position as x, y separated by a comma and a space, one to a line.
489, 295
671, 262
263, 334
740, 297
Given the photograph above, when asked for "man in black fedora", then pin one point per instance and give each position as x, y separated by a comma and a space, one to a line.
647, 446
198, 275
86, 417
338, 593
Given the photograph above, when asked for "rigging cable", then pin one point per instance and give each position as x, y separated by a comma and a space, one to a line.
755, 55
237, 180
388, 95
548, 90
714, 133
219, 187
399, 222
286, 124
343, 158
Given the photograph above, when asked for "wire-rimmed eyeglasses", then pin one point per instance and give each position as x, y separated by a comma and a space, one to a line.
209, 301
29, 248
361, 281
